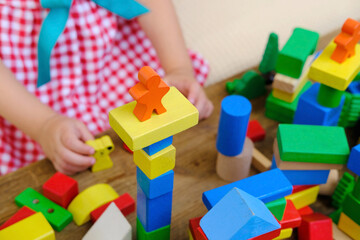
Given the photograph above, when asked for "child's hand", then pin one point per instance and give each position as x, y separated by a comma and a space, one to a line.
63, 141
188, 86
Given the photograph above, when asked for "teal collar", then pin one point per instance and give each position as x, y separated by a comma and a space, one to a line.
54, 25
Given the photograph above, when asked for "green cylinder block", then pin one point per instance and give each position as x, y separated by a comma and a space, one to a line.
329, 97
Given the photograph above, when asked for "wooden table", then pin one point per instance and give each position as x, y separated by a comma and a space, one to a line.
194, 171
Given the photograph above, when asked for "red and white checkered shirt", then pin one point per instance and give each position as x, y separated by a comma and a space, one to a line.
93, 65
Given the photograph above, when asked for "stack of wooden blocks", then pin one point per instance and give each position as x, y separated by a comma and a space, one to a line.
291, 80
149, 136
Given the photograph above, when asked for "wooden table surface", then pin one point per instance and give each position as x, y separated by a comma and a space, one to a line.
194, 171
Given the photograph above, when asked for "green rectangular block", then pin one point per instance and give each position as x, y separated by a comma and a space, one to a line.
292, 57
158, 234
277, 208
56, 215
317, 144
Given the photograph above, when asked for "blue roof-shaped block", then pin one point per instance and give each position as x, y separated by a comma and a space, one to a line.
238, 215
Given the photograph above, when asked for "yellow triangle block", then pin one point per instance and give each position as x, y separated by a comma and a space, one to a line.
180, 115
333, 74
304, 198
348, 226
33, 227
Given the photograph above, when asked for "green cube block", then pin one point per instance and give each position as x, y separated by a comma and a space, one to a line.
57, 216
317, 144
158, 234
277, 208
292, 57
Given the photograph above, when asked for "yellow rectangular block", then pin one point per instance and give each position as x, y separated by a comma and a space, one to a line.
180, 115
285, 233
103, 147
33, 227
333, 74
157, 164
304, 198
348, 226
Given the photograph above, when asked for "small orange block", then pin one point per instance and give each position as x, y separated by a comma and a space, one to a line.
148, 94
346, 41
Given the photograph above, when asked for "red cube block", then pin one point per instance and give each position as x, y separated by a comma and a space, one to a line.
61, 189
195, 229
23, 213
299, 188
125, 203
314, 227
255, 131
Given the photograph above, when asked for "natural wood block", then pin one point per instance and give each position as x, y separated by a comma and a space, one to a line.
333, 74
110, 226
235, 168
180, 115
329, 187
260, 161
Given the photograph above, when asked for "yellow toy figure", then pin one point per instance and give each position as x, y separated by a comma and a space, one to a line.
103, 147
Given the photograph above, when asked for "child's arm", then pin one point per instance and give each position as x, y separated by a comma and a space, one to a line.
162, 28
60, 137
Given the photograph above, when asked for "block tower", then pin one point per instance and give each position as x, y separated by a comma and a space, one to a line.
290, 80
334, 70
149, 136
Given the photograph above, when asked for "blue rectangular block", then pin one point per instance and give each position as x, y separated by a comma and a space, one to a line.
354, 160
158, 146
238, 215
267, 186
354, 87
154, 213
304, 177
310, 112
157, 186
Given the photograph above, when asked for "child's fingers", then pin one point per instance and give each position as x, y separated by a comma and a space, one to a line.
194, 93
84, 132
73, 143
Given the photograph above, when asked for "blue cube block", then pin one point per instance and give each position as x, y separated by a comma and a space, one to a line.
354, 160
267, 186
158, 146
304, 177
154, 213
310, 112
238, 215
157, 186
234, 119
354, 87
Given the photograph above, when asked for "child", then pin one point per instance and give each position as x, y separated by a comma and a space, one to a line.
93, 64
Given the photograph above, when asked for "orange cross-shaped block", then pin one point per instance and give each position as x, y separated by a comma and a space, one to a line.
148, 94
346, 41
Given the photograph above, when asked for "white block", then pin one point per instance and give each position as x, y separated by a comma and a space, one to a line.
112, 225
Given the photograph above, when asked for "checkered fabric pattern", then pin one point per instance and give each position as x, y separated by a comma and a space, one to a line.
93, 65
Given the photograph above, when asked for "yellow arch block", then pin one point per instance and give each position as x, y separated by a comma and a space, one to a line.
304, 198
348, 226
157, 164
89, 200
103, 146
180, 115
33, 227
333, 74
